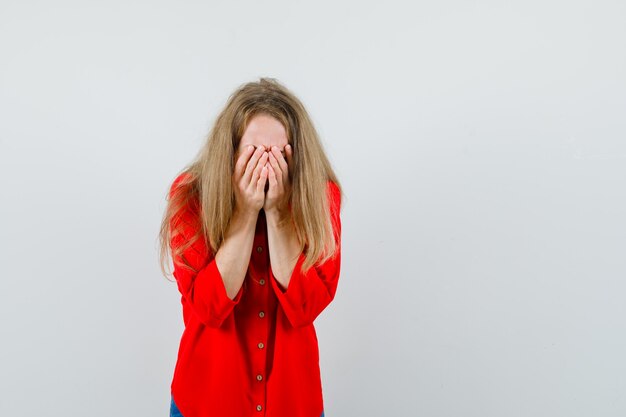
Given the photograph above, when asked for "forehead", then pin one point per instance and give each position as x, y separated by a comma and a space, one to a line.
264, 130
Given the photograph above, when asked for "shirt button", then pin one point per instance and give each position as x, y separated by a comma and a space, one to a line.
262, 281
259, 248
261, 314
259, 377
260, 345
258, 407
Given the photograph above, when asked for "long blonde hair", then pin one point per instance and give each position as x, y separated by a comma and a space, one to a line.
205, 185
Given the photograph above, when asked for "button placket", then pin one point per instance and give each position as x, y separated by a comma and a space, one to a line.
262, 352
259, 249
262, 333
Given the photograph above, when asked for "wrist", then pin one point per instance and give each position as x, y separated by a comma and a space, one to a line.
277, 217
246, 214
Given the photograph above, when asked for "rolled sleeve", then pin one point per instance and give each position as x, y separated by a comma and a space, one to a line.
309, 293
203, 290
206, 293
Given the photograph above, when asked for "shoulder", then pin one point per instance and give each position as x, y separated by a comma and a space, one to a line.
180, 180
334, 191
332, 186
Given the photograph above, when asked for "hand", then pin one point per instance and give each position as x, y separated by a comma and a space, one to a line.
249, 179
279, 192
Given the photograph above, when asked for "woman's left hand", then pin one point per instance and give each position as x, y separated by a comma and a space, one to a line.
279, 192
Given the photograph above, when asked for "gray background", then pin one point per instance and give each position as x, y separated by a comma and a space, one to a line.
481, 146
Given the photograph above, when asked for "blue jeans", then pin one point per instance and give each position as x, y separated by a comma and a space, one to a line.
174, 412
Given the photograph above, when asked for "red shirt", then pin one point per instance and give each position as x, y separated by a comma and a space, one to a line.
257, 354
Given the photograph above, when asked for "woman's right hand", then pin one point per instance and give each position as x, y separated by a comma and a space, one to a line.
249, 179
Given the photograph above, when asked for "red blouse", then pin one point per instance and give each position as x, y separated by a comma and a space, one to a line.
256, 354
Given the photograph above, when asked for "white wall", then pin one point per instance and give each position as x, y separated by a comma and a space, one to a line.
482, 147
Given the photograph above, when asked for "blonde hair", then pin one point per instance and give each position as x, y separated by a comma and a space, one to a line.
204, 187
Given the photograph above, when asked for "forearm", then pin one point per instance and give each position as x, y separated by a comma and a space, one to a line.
284, 247
233, 256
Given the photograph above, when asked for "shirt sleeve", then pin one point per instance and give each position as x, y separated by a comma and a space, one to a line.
203, 290
308, 294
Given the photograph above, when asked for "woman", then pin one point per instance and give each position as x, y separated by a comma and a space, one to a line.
253, 228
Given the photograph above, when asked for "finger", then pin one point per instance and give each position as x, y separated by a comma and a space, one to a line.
242, 160
260, 184
282, 162
289, 153
276, 172
273, 177
248, 175
257, 169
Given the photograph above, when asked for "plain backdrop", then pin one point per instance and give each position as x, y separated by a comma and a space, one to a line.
482, 150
